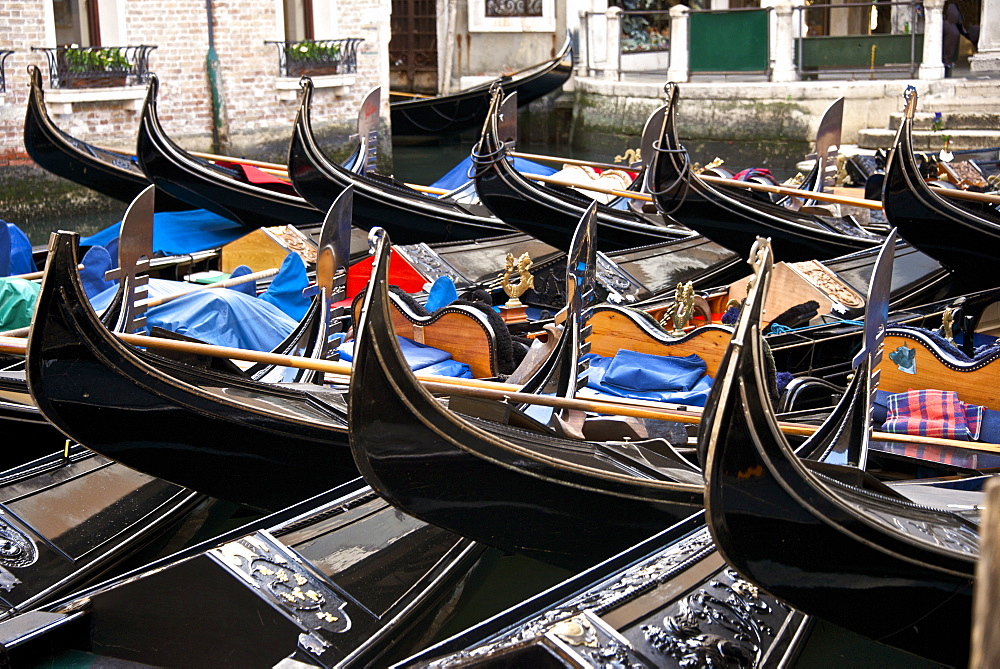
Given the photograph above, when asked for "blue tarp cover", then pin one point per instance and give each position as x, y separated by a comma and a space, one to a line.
663, 378
420, 357
219, 316
15, 251
459, 174
179, 232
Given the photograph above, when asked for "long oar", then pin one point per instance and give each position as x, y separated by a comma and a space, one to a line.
484, 389
241, 161
228, 283
780, 190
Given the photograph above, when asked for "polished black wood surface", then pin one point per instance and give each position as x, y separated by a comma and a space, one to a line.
70, 517
212, 187
410, 216
258, 444
550, 213
963, 236
448, 114
829, 540
735, 219
562, 501
110, 173
340, 580
669, 601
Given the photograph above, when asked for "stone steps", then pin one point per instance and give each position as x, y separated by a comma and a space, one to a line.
959, 120
929, 140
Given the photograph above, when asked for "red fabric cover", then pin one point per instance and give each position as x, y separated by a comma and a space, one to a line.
932, 413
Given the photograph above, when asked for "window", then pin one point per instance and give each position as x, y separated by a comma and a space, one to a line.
512, 16
307, 20
87, 23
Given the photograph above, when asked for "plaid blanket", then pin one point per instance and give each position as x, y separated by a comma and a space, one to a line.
933, 413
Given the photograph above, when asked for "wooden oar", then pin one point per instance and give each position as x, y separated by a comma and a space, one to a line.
228, 283
567, 161
486, 389
241, 161
31, 276
419, 96
780, 190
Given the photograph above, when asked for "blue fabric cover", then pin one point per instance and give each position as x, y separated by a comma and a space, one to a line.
442, 293
4, 251
178, 232
650, 377
21, 260
420, 357
220, 316
248, 287
459, 174
285, 291
96, 261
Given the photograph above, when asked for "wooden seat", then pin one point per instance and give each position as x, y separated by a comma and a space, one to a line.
463, 331
615, 328
912, 360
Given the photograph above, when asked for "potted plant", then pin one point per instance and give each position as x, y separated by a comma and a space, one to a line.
311, 57
88, 67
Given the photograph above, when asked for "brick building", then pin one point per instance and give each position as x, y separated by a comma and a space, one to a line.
257, 86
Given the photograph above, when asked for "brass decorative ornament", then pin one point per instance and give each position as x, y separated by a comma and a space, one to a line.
681, 311
948, 324
525, 279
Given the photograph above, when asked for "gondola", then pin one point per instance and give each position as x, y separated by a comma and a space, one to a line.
410, 216
551, 213
831, 541
110, 173
564, 501
342, 580
734, 219
208, 428
72, 516
448, 114
962, 236
216, 188
669, 601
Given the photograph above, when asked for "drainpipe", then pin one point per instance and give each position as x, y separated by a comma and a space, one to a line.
220, 123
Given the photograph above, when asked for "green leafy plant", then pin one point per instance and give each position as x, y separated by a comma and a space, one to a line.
106, 59
313, 52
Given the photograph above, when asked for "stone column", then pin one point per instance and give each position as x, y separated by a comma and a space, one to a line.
987, 57
784, 45
678, 68
613, 60
932, 67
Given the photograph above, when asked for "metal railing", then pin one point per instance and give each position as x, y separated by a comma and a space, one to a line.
317, 57
866, 44
97, 66
3, 69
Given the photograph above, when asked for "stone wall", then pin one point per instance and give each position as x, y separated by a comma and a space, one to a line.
259, 121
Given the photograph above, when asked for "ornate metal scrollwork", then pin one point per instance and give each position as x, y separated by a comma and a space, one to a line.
282, 579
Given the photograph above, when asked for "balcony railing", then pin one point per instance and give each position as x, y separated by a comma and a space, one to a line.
318, 57
3, 69
97, 66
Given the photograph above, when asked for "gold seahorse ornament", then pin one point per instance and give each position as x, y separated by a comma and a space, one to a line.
525, 279
682, 309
